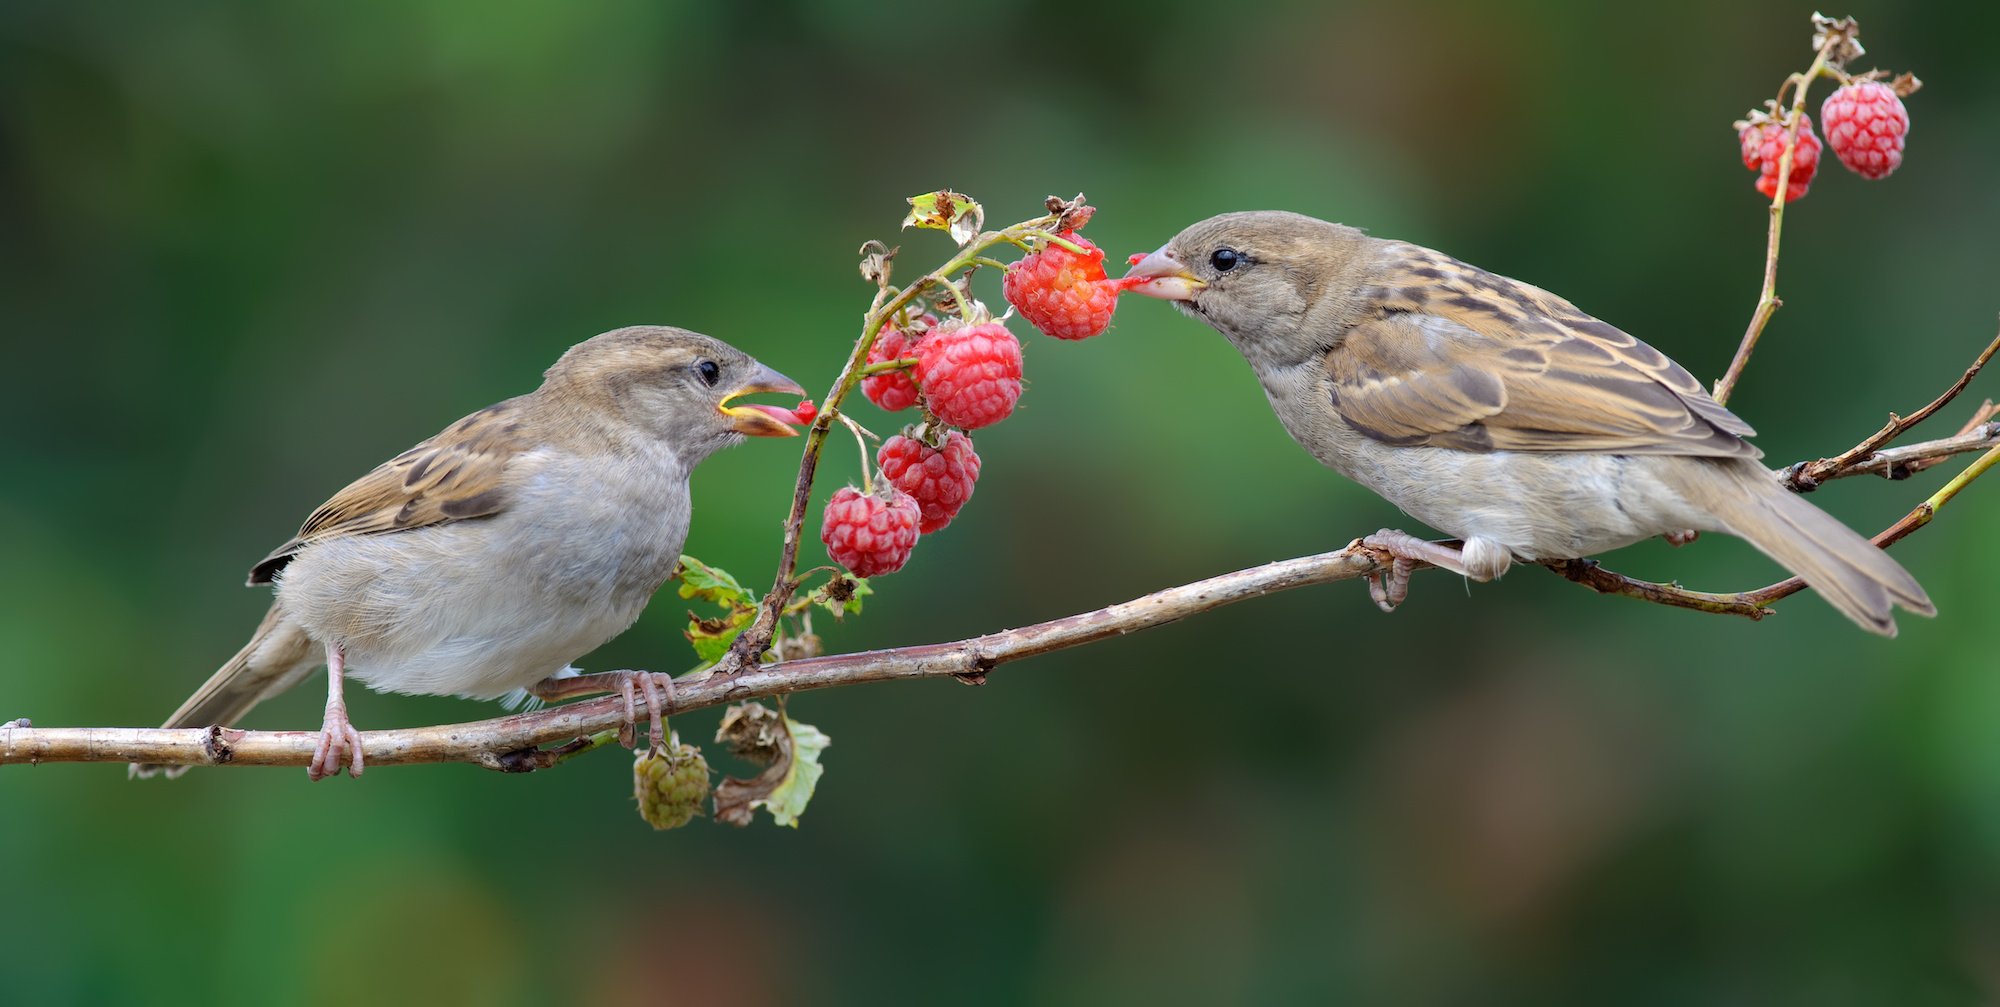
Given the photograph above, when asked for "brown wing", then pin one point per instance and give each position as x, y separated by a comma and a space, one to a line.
1458, 357
451, 477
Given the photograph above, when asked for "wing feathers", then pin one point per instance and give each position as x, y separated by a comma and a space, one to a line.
1461, 358
454, 476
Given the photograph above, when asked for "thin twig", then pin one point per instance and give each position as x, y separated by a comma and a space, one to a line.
1902, 462
1807, 476
1594, 576
1767, 300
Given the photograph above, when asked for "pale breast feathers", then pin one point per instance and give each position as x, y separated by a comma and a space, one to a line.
453, 476
1454, 356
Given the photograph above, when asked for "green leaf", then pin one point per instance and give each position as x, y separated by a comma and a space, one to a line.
712, 637
841, 594
788, 800
711, 583
945, 210
789, 752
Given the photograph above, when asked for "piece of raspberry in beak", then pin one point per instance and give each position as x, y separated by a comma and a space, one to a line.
1159, 274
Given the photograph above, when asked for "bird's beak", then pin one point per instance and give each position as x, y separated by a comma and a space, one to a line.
1159, 274
758, 420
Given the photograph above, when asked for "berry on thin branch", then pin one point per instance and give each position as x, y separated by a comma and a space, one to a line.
1764, 140
1865, 125
974, 382
970, 375
939, 476
895, 390
1865, 122
671, 784
873, 533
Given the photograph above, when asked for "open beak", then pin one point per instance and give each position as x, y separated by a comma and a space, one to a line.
1159, 274
758, 420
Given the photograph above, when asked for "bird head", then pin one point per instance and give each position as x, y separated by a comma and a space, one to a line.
1253, 276
673, 384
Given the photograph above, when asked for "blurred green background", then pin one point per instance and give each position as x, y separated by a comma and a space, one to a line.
250, 250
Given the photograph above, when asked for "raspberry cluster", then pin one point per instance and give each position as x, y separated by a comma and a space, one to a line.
1865, 121
966, 375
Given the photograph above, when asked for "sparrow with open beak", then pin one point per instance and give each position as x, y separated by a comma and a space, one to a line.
1496, 411
483, 561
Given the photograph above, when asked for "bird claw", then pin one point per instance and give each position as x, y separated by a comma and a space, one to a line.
656, 691
21, 723
1407, 554
1681, 538
1390, 587
338, 742
648, 687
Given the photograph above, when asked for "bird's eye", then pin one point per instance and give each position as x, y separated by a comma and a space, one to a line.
1225, 259
710, 373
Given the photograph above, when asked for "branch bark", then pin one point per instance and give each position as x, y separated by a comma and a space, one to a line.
512, 744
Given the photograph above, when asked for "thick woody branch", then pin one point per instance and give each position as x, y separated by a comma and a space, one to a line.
512, 744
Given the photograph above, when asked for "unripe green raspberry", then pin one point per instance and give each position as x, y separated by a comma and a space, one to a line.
671, 784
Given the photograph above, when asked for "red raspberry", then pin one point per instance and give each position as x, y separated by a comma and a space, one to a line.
940, 479
1865, 123
870, 535
893, 390
1764, 145
1064, 294
970, 374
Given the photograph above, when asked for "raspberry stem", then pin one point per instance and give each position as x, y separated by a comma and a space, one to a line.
867, 476
961, 300
1767, 300
1059, 241
901, 364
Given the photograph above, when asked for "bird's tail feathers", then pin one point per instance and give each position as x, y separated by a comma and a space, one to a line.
1850, 572
277, 657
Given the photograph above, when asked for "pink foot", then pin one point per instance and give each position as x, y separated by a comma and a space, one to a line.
1407, 554
338, 740
1681, 538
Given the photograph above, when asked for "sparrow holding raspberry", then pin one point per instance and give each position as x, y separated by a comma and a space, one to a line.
1496, 411
484, 560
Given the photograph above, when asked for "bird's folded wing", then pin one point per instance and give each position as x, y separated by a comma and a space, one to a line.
1479, 362
453, 476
